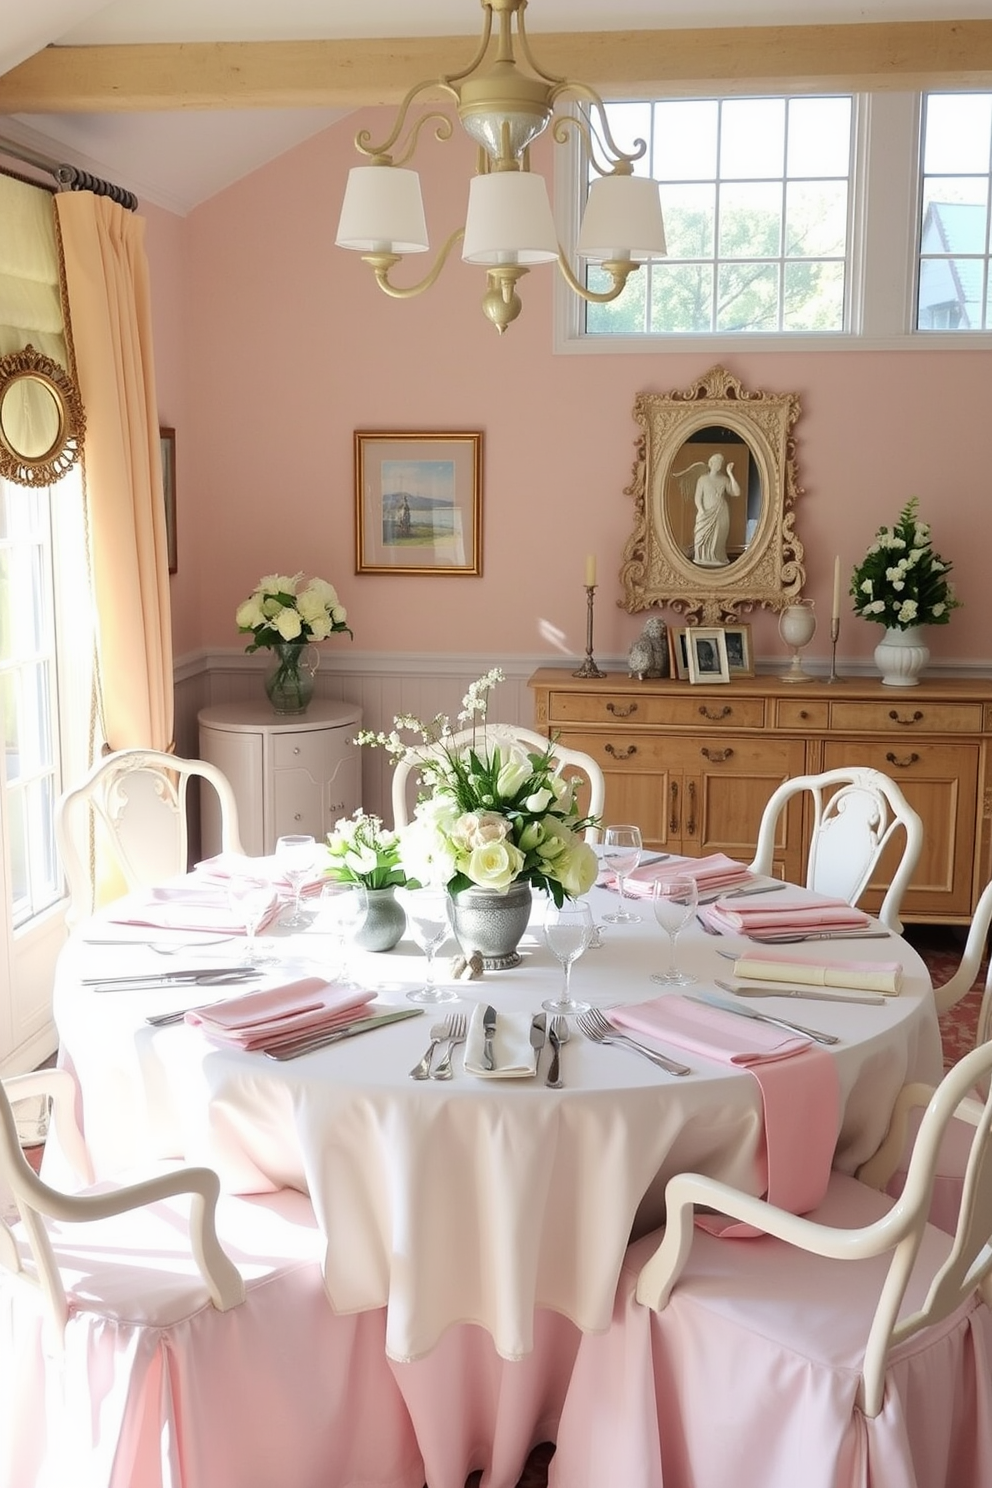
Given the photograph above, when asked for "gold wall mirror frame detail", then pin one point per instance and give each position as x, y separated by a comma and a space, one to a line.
41, 419
714, 486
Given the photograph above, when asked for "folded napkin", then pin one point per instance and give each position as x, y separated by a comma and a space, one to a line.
515, 1058
716, 871
800, 1093
185, 906
859, 976
263, 1019
793, 910
227, 865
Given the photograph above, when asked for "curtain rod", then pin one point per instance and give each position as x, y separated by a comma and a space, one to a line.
70, 177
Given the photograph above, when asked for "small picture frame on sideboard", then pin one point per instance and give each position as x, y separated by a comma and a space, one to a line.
707, 655
740, 657
678, 653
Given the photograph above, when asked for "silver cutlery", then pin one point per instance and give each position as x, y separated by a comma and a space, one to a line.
489, 1033
176, 948
745, 1012
457, 1035
870, 999
164, 978
790, 937
225, 977
710, 929
740, 893
538, 1036
597, 1027
308, 1043
558, 1035
439, 1032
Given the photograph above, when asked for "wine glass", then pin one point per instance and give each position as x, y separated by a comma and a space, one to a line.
296, 855
568, 929
621, 850
342, 911
797, 626
250, 900
427, 919
675, 901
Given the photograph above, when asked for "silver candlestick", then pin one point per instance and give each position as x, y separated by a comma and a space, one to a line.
589, 667
834, 633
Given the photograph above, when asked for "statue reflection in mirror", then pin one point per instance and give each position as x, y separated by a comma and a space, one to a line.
710, 523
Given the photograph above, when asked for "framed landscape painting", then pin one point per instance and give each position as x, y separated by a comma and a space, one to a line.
418, 503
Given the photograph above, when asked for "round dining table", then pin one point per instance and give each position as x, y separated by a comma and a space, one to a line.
471, 1200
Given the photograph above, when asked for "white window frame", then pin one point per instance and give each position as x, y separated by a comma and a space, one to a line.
884, 253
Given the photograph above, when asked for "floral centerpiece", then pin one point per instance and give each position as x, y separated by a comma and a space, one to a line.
901, 582
286, 616
363, 851
491, 814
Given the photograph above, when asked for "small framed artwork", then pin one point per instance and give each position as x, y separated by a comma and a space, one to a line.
707, 655
678, 653
418, 503
167, 438
740, 658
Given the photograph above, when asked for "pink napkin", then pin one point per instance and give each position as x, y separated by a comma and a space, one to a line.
185, 906
800, 1093
225, 866
262, 1019
812, 971
716, 871
793, 910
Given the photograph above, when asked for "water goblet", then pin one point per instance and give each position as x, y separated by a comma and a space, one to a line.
797, 626
568, 929
427, 919
296, 855
251, 900
342, 911
675, 901
621, 851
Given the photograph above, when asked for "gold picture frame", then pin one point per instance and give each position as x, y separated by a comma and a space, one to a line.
707, 649
418, 502
740, 656
167, 439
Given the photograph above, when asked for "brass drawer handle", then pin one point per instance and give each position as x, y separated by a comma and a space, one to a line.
716, 756
673, 823
690, 825
704, 712
621, 712
907, 722
621, 754
903, 764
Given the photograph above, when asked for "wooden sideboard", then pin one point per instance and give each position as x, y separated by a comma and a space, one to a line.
694, 765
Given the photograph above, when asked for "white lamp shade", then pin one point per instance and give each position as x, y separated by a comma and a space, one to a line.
382, 211
509, 220
622, 219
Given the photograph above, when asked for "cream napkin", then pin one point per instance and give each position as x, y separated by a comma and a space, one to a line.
515, 1058
858, 976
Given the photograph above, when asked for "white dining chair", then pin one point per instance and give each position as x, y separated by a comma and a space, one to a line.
847, 1347
133, 804
157, 1335
508, 735
856, 813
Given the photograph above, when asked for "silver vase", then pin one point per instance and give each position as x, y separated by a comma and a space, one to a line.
492, 922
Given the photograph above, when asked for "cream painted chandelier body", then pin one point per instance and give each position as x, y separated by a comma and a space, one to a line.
509, 225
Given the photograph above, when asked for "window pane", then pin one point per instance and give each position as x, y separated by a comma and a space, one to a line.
690, 220
630, 122
747, 297
752, 138
685, 139
682, 298
819, 137
958, 126
815, 218
750, 221
624, 316
954, 222
813, 297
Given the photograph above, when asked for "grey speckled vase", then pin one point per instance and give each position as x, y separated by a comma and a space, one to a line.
385, 922
492, 922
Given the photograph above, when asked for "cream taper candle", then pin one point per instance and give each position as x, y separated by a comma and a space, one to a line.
591, 571
835, 612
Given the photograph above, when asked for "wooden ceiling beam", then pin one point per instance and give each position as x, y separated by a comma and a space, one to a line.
355, 73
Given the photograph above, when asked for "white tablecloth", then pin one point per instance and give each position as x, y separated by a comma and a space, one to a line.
475, 1200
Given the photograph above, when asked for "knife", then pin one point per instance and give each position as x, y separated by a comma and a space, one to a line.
223, 978
746, 1012
872, 999
163, 978
489, 1033
306, 1043
711, 898
538, 1034
789, 937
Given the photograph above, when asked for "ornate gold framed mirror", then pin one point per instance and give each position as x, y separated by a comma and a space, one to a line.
41, 419
714, 486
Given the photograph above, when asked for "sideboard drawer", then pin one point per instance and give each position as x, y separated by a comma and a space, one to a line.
629, 750
795, 713
906, 717
668, 710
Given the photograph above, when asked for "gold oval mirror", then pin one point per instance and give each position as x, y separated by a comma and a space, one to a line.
714, 485
41, 419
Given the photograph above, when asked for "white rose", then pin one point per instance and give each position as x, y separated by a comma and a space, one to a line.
249, 614
323, 592
277, 584
493, 866
288, 624
339, 614
320, 625
907, 610
477, 829
577, 869
310, 605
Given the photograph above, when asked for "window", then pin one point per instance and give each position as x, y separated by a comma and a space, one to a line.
757, 200
953, 291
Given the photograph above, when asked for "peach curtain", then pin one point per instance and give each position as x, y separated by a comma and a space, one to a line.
107, 288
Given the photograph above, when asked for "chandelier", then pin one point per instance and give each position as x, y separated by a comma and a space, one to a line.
509, 225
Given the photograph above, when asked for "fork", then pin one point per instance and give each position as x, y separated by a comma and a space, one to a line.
558, 1033
457, 1033
597, 1027
439, 1033
176, 948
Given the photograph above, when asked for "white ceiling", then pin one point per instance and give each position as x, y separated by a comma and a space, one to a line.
178, 160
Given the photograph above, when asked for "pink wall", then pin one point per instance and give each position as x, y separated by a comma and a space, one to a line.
274, 346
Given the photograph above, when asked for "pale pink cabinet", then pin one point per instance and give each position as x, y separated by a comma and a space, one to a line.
288, 774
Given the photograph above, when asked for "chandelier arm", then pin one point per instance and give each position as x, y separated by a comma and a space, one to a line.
619, 271
621, 161
443, 131
528, 55
487, 31
381, 263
